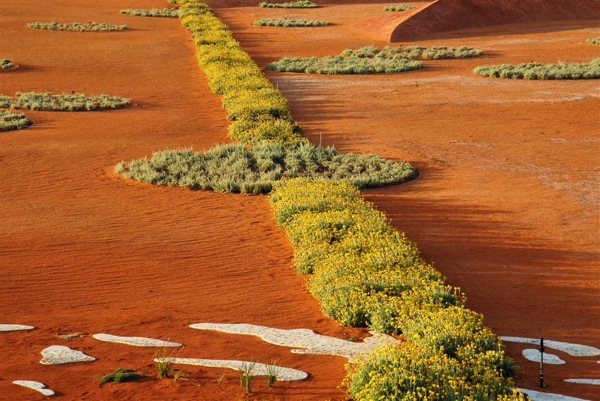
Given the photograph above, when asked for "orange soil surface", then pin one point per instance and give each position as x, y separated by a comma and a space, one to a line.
507, 206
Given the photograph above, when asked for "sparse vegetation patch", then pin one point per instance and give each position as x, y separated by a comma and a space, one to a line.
6, 64
77, 26
121, 375
402, 7
293, 4
154, 12
12, 121
62, 101
234, 168
370, 59
589, 70
593, 41
290, 23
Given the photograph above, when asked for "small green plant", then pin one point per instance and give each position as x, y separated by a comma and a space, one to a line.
121, 375
163, 364
589, 70
154, 12
593, 41
293, 4
246, 376
293, 23
6, 64
77, 26
12, 121
220, 378
272, 371
397, 8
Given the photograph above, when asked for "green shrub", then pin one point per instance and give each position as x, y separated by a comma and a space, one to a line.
589, 70
293, 4
154, 12
370, 59
235, 168
593, 41
6, 64
11, 121
121, 375
63, 101
76, 26
397, 8
285, 22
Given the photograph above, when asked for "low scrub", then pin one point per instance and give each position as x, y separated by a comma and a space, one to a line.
290, 23
593, 41
235, 168
62, 101
293, 4
121, 375
12, 121
370, 59
397, 8
589, 70
6, 64
77, 26
365, 273
154, 12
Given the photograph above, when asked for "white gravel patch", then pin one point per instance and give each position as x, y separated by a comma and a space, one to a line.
306, 340
595, 382
136, 341
37, 386
533, 355
538, 396
59, 354
256, 369
15, 327
569, 348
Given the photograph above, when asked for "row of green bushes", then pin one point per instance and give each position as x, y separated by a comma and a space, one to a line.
370, 59
11, 121
62, 101
77, 26
293, 4
153, 12
364, 272
235, 168
257, 110
290, 23
589, 70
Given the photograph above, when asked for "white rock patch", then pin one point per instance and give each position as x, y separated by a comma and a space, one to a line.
59, 354
569, 348
136, 341
538, 396
257, 369
15, 327
37, 386
595, 382
306, 340
533, 355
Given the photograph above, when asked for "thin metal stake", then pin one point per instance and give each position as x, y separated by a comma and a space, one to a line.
542, 385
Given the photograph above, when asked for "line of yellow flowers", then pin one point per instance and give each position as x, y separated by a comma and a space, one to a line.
362, 270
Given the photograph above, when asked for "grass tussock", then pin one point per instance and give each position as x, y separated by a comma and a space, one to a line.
593, 41
121, 375
12, 121
366, 273
6, 64
154, 12
290, 23
589, 70
62, 101
293, 4
235, 168
77, 26
370, 60
399, 8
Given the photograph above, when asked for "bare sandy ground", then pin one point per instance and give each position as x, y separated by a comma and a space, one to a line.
507, 206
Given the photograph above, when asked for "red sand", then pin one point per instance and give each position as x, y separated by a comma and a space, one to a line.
507, 207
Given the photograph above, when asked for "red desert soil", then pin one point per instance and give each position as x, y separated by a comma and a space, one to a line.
507, 206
